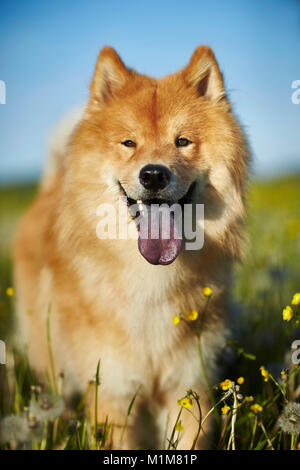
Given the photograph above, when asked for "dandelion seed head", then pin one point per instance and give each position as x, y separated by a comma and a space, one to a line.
15, 428
18, 429
46, 407
290, 419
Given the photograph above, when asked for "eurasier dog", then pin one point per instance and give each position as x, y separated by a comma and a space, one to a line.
140, 141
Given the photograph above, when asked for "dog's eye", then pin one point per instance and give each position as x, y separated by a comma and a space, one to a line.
182, 142
129, 143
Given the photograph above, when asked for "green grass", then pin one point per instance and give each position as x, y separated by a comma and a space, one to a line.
263, 285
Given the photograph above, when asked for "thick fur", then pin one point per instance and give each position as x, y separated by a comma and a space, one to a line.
107, 302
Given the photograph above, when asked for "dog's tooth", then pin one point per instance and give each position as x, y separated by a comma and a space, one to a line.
141, 207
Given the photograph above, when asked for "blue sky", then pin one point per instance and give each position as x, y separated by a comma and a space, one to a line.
48, 50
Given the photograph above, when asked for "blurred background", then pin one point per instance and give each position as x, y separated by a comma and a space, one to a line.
47, 55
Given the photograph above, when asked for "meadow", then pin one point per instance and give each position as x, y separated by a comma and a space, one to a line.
257, 403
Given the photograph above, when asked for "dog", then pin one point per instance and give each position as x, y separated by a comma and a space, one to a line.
142, 141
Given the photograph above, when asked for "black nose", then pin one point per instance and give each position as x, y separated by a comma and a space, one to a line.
154, 177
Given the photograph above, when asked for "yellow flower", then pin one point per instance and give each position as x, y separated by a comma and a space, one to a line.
256, 408
207, 291
296, 299
192, 315
298, 446
226, 384
287, 313
249, 399
240, 380
179, 427
10, 291
185, 402
264, 373
176, 319
225, 409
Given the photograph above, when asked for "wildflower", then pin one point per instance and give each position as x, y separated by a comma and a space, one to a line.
264, 373
226, 384
185, 402
287, 313
256, 408
249, 398
225, 409
192, 315
290, 418
296, 299
46, 407
298, 446
240, 380
207, 291
179, 427
10, 291
283, 374
176, 319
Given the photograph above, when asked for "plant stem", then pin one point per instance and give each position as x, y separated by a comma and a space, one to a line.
51, 359
266, 435
96, 401
233, 421
128, 414
200, 421
253, 433
293, 441
174, 429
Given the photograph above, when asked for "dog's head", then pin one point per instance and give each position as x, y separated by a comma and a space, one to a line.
169, 140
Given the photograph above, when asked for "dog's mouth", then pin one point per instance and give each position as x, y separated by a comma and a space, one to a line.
186, 199
160, 227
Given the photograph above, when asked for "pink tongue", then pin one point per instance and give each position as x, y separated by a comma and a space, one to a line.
160, 240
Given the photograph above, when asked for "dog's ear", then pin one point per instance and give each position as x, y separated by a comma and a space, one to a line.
109, 76
203, 73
